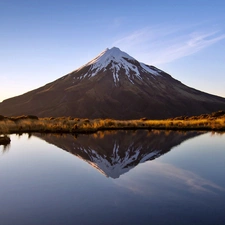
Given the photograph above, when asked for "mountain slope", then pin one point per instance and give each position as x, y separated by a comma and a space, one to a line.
114, 85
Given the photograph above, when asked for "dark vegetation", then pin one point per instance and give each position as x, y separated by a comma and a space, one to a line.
4, 140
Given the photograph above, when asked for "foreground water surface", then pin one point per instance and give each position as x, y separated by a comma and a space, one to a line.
118, 177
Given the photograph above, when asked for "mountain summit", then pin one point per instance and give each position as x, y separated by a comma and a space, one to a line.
114, 85
115, 60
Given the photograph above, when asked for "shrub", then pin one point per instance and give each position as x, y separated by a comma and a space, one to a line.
218, 114
32, 117
5, 140
2, 117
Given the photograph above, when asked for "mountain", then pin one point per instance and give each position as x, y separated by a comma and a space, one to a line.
114, 85
114, 153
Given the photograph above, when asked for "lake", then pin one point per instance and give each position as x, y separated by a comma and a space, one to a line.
113, 177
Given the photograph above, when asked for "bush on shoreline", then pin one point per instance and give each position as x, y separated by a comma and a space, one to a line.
4, 140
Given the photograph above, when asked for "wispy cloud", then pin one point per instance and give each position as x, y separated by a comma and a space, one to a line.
163, 44
163, 174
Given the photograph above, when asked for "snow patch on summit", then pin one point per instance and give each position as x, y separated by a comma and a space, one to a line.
118, 60
146, 68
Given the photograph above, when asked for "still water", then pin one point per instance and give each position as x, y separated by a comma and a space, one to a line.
123, 177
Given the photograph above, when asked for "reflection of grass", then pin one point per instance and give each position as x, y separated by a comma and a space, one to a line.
214, 121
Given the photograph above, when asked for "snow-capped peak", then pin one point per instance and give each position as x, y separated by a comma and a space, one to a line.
117, 60
114, 54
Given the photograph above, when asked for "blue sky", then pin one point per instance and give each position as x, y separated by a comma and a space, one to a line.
43, 40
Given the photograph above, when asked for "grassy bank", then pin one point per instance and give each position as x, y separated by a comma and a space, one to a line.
214, 121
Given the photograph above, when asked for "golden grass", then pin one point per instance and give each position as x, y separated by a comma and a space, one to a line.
77, 125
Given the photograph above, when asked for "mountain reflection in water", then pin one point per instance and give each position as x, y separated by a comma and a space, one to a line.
114, 153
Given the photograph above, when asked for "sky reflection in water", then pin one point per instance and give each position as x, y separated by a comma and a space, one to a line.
120, 177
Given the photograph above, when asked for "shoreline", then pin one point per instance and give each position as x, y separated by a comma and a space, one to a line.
29, 124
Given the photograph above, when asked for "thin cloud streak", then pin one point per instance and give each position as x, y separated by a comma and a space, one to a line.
173, 177
186, 47
145, 35
166, 44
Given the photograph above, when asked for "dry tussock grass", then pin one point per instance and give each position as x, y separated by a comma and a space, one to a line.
215, 121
